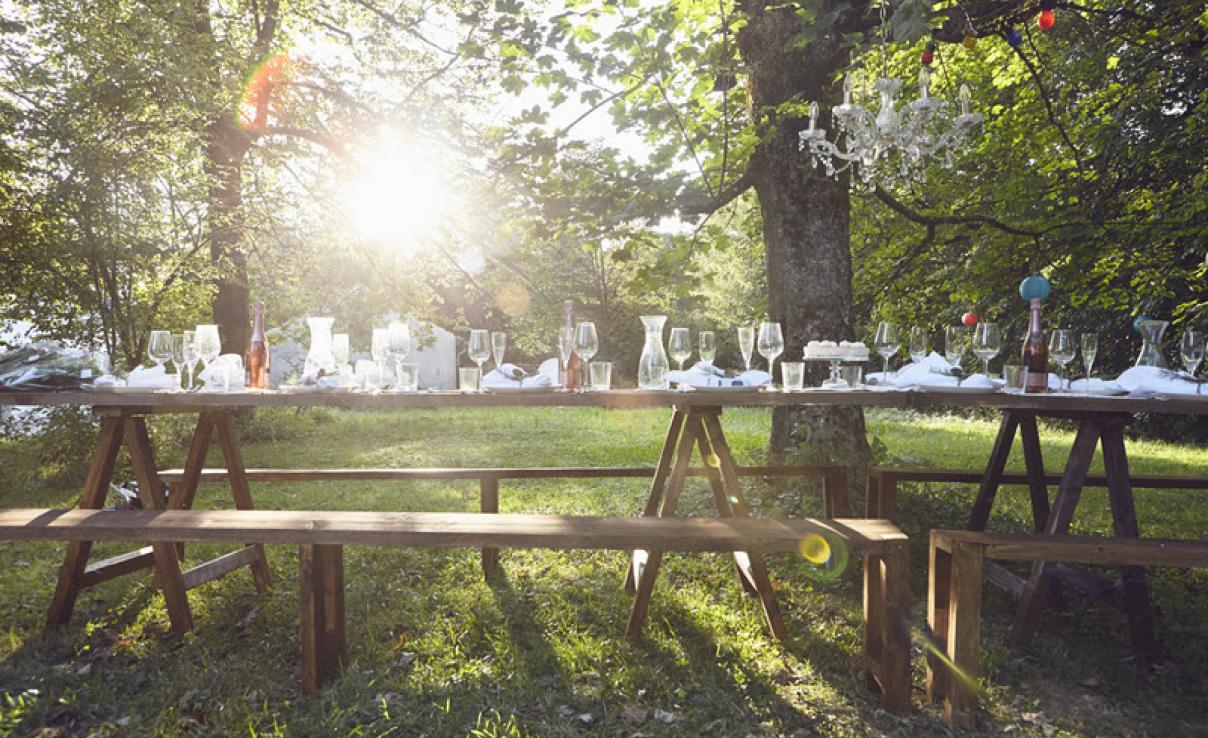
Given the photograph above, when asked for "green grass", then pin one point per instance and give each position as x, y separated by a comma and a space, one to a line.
436, 651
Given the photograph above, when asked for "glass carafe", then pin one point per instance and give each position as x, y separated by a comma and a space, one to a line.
652, 367
320, 356
1151, 346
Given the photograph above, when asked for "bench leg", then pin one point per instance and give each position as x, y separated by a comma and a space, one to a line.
321, 586
834, 494
658, 484
939, 598
96, 486
488, 493
964, 632
881, 497
886, 652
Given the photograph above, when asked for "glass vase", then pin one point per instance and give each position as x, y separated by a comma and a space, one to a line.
320, 357
652, 367
1151, 343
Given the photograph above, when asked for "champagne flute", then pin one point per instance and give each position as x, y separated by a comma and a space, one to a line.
189, 353
987, 342
499, 344
209, 345
159, 347
178, 355
379, 350
706, 346
954, 345
887, 343
1192, 351
340, 350
680, 345
566, 348
587, 342
398, 345
1090, 349
918, 343
746, 344
1062, 350
479, 347
771, 342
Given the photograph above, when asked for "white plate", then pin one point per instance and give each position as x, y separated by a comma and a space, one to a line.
734, 388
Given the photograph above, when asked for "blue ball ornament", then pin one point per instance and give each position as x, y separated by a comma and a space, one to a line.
1014, 37
1034, 287
1137, 322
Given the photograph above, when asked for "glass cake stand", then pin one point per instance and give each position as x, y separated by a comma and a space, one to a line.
835, 380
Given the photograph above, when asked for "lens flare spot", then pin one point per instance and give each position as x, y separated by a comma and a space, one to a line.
939, 659
263, 95
815, 549
513, 299
733, 500
713, 461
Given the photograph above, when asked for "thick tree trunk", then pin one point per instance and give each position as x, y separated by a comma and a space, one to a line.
227, 146
806, 228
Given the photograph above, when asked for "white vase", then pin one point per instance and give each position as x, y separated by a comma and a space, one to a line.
320, 357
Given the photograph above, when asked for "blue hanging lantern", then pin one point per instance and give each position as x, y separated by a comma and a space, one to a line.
1034, 287
1014, 37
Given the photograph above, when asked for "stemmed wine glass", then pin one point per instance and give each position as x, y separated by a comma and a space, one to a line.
706, 346
746, 344
159, 347
340, 350
954, 345
886, 342
1062, 350
479, 348
771, 342
987, 342
1192, 351
499, 344
188, 342
178, 355
918, 343
587, 343
379, 351
1090, 349
566, 347
209, 345
398, 345
680, 345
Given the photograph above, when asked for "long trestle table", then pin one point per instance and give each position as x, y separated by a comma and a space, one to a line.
695, 427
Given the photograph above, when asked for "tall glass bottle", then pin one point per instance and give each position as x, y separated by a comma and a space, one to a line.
1034, 365
653, 365
258, 357
574, 365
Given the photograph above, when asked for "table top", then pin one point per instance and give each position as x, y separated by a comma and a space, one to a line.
1052, 404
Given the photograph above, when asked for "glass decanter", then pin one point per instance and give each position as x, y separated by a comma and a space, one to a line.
652, 367
1151, 347
320, 356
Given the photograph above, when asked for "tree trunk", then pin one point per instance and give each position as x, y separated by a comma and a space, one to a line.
224, 153
805, 227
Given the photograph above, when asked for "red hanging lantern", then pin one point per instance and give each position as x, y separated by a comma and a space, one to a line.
1046, 19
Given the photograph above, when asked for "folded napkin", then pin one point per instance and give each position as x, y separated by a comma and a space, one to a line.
1151, 380
225, 372
932, 371
1094, 385
155, 377
338, 381
510, 376
699, 376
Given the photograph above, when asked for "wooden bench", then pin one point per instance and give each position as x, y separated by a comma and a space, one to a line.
834, 483
955, 590
321, 537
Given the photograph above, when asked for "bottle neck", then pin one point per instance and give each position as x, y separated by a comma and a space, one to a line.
1034, 325
258, 321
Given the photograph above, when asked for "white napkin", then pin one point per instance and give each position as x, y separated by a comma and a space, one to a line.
225, 371
1148, 380
155, 377
337, 381
550, 368
704, 378
506, 378
1094, 385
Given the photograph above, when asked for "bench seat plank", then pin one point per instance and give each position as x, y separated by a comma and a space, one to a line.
439, 529
557, 472
967, 476
1080, 549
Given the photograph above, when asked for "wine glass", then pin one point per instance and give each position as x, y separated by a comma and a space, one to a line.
887, 342
1090, 349
340, 350
987, 342
178, 355
379, 351
1192, 350
398, 345
954, 344
587, 343
1062, 350
771, 342
479, 347
918, 343
209, 345
159, 347
706, 346
746, 344
566, 348
499, 344
680, 345
188, 343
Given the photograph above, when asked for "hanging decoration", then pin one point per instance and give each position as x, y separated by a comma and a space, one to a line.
1046, 19
1014, 37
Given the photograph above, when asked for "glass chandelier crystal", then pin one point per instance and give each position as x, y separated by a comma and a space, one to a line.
896, 143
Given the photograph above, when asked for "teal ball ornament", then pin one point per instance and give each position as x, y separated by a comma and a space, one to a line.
1137, 322
1034, 287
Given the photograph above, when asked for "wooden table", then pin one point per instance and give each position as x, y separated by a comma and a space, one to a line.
695, 427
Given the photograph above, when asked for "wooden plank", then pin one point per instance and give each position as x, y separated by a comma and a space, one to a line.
441, 530
968, 476
964, 635
488, 500
323, 632
742, 563
116, 566
1081, 549
183, 487
834, 493
658, 484
393, 474
894, 674
219, 567
939, 595
224, 425
150, 491
979, 515
96, 487
1033, 456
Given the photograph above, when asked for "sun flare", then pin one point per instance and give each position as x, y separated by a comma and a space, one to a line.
399, 196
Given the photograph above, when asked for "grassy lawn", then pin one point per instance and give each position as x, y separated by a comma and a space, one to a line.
436, 651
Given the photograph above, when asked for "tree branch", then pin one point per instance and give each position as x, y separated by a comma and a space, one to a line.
330, 143
937, 220
1048, 105
723, 198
